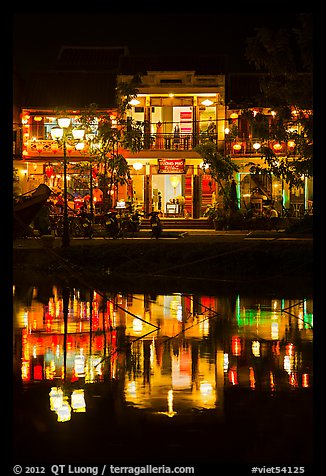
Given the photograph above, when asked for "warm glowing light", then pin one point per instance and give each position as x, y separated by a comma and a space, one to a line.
255, 347
131, 388
137, 325
274, 331
277, 146
134, 102
225, 362
226, 130
137, 165
170, 413
289, 349
252, 379
56, 398
237, 146
233, 376
234, 115
291, 144
80, 146
287, 364
64, 122
305, 380
205, 388
80, 366
236, 346
78, 401
207, 102
174, 180
204, 166
64, 412
37, 118
56, 133
78, 134
271, 380
257, 145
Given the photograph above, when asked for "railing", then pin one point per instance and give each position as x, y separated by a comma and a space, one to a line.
169, 141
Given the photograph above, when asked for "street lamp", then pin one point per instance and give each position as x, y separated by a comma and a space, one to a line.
61, 133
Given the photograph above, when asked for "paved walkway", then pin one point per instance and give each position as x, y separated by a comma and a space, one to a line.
188, 235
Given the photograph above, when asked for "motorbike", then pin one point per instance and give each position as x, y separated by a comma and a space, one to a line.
112, 227
135, 222
156, 225
130, 223
86, 225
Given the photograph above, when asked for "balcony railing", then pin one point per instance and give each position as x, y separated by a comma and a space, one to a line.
46, 148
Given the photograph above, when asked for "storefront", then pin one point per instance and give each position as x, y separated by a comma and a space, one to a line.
177, 188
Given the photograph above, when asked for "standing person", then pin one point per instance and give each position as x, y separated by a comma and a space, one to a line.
60, 203
159, 135
176, 137
250, 217
156, 224
273, 218
211, 130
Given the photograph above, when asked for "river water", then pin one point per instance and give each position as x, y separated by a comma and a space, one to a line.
125, 379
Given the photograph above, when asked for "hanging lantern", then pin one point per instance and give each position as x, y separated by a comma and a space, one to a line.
256, 145
237, 146
174, 180
49, 171
38, 118
277, 146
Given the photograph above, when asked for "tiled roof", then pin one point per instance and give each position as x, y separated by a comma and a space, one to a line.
71, 89
90, 58
202, 64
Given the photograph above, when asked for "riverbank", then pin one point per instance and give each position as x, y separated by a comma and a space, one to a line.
180, 263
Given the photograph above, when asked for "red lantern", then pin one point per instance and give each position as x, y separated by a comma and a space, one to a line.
49, 171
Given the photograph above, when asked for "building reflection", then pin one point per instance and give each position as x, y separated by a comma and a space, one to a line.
169, 354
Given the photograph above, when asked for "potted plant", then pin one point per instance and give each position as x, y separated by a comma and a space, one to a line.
216, 217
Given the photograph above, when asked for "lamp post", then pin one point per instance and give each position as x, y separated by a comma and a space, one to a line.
61, 133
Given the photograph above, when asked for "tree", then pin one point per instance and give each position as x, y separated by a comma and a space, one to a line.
222, 170
285, 58
108, 134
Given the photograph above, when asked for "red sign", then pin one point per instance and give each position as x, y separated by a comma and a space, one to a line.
171, 166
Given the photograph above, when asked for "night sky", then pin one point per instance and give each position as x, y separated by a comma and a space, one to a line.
37, 37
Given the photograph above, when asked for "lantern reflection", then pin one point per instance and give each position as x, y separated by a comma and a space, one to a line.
59, 403
170, 358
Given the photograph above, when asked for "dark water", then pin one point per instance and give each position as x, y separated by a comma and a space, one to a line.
132, 379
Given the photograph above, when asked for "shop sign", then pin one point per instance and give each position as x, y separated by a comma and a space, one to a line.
171, 166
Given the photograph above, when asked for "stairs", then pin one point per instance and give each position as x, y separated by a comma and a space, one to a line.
180, 224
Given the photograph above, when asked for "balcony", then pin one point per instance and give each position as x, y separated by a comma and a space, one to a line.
49, 149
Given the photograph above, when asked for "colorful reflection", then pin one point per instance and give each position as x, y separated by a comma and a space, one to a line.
170, 354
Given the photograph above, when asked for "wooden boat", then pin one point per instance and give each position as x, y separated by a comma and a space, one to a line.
26, 208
